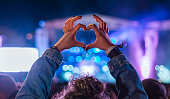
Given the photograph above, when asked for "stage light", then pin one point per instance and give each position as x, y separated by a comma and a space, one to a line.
17, 59
90, 51
67, 67
76, 49
105, 68
78, 59
145, 67
70, 59
113, 41
97, 59
163, 73
70, 67
29, 36
96, 50
41, 23
64, 67
76, 70
67, 76
72, 50
88, 69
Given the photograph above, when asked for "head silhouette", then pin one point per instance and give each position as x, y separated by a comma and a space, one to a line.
7, 86
154, 89
85, 87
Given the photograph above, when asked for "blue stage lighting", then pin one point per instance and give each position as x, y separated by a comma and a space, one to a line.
78, 59
76, 70
76, 49
88, 69
90, 50
105, 68
64, 67
72, 50
70, 67
41, 23
97, 59
96, 50
71, 59
67, 75
163, 73
113, 41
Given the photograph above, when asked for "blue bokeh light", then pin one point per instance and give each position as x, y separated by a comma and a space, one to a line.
96, 50
79, 59
76, 49
67, 76
113, 41
41, 23
71, 59
97, 59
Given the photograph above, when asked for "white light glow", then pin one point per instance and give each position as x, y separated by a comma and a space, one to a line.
67, 75
163, 73
145, 67
17, 59
87, 69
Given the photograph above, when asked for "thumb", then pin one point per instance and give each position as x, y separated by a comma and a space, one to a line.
79, 44
92, 45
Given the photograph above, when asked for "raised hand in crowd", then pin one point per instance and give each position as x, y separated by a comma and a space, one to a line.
68, 40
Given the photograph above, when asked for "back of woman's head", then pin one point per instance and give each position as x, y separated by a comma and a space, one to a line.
85, 87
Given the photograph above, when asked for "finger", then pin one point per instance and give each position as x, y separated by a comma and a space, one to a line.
92, 45
73, 19
64, 29
80, 44
78, 26
69, 23
105, 26
94, 27
98, 19
107, 30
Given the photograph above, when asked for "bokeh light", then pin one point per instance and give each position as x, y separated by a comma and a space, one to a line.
68, 76
96, 50
78, 59
76, 70
163, 73
97, 59
88, 69
41, 23
105, 68
71, 59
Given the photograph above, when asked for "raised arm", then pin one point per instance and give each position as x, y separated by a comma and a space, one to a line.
127, 80
38, 82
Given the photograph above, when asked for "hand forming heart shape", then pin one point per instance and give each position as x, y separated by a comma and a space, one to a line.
68, 40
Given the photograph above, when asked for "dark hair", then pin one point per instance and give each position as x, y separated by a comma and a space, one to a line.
111, 90
84, 87
154, 89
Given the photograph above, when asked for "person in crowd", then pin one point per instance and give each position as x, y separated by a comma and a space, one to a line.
8, 89
39, 79
84, 87
111, 91
56, 87
154, 89
167, 86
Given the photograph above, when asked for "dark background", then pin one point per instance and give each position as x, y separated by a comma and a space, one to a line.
23, 15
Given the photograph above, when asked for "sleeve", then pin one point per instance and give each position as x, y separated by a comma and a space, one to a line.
128, 82
38, 82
